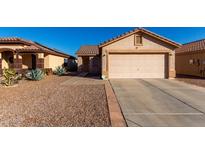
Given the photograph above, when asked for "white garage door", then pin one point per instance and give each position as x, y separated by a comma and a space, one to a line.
136, 66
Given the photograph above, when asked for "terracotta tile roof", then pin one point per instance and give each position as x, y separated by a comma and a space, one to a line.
142, 30
88, 50
31, 46
14, 40
53, 51
27, 48
8, 39
198, 45
63, 54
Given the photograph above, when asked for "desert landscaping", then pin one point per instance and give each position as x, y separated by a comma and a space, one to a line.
53, 101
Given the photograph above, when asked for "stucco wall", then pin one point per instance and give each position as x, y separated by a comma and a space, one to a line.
80, 64
51, 61
149, 44
183, 65
4, 64
46, 61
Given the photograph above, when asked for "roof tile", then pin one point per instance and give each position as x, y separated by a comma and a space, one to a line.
88, 50
143, 31
192, 46
31, 46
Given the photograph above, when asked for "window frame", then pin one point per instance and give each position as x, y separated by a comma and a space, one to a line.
135, 40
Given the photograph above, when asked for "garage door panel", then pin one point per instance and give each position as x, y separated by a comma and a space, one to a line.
136, 66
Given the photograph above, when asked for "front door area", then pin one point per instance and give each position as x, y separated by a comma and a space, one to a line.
29, 61
85, 62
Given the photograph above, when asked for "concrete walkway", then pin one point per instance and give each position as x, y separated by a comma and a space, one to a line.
160, 102
83, 81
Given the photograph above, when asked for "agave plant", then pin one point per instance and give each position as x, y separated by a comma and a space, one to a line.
59, 70
36, 74
10, 77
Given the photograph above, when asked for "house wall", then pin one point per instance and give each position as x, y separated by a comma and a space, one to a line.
46, 61
80, 63
4, 63
197, 68
52, 61
150, 45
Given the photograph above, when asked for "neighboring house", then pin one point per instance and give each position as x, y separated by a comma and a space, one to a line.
135, 54
190, 59
21, 55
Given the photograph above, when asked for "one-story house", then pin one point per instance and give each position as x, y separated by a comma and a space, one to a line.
136, 54
21, 54
190, 59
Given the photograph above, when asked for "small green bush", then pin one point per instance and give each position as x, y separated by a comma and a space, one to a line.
10, 77
36, 74
59, 71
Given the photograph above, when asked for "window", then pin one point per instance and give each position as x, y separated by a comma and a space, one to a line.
138, 40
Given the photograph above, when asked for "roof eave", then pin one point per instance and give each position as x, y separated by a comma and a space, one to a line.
118, 38
160, 37
177, 45
87, 55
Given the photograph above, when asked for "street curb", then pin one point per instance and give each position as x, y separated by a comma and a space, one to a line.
116, 116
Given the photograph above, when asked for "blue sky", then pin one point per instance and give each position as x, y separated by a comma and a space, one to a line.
70, 39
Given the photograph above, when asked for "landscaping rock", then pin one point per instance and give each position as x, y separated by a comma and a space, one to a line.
49, 103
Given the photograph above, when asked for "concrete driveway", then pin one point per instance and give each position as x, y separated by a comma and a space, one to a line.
160, 102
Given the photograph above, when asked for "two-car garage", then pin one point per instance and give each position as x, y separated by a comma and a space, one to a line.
137, 66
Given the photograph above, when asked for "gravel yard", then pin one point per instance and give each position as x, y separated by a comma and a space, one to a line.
49, 102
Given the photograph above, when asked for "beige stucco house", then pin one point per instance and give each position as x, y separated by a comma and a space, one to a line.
190, 59
21, 54
135, 54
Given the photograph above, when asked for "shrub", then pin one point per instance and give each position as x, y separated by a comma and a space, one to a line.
72, 66
36, 74
10, 77
59, 71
